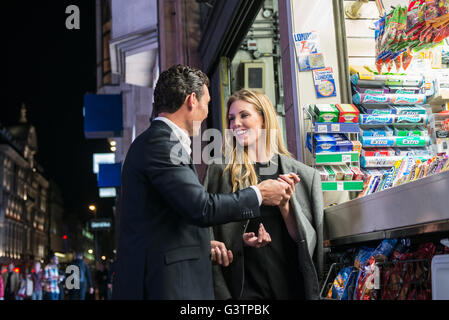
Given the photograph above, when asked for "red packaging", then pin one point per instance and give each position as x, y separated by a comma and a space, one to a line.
358, 175
348, 113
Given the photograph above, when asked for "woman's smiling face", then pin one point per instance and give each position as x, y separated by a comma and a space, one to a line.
245, 122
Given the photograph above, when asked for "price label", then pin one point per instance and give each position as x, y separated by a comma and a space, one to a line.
335, 127
321, 128
340, 186
346, 158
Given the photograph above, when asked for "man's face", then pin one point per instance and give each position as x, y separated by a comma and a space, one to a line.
201, 110
10, 267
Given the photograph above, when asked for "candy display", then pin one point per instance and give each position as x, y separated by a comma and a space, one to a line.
396, 269
407, 169
422, 24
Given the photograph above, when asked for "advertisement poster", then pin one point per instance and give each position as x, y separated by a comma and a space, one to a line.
324, 83
308, 52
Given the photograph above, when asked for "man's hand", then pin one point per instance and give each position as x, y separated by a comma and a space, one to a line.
91, 290
219, 254
263, 238
272, 191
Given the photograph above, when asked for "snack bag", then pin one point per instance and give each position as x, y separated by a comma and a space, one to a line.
412, 14
362, 257
431, 9
398, 62
384, 249
406, 59
343, 285
365, 284
443, 7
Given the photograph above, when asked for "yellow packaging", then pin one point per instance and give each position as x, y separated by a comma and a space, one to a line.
356, 146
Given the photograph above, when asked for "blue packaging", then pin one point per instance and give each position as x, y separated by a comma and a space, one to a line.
378, 141
325, 143
336, 142
343, 285
377, 132
376, 119
378, 110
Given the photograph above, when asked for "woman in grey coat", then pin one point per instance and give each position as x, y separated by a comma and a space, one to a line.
279, 255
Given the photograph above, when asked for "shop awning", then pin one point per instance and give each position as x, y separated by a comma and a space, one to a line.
103, 116
109, 175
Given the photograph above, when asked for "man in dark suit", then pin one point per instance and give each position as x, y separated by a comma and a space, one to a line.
164, 249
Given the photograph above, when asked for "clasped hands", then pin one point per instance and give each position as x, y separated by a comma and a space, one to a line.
274, 193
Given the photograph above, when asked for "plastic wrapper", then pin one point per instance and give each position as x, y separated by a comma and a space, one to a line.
443, 7
431, 9
343, 284
406, 59
362, 256
413, 14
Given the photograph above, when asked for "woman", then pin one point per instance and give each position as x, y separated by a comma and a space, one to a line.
38, 281
279, 255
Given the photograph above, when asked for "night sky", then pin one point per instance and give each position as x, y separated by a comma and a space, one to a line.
50, 68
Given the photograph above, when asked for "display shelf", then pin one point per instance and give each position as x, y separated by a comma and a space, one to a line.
395, 141
342, 185
418, 205
384, 161
322, 127
336, 157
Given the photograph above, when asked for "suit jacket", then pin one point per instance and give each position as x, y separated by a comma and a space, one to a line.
164, 240
307, 206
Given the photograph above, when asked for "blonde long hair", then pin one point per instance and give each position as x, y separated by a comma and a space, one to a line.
241, 169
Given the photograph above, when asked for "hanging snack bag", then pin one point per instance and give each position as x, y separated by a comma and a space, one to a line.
413, 14
406, 59
431, 9
443, 7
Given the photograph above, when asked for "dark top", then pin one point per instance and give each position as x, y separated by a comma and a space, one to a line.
271, 272
38, 280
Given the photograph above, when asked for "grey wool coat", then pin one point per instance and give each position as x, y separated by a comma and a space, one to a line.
307, 206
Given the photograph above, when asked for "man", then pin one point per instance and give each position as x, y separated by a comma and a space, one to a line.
51, 279
11, 283
164, 246
85, 278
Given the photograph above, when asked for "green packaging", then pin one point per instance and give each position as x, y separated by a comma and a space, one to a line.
326, 113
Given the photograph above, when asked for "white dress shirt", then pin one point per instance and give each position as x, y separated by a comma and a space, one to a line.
184, 138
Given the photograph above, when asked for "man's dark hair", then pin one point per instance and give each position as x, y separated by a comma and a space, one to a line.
175, 84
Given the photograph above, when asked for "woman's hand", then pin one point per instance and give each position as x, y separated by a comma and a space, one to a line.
219, 254
291, 179
263, 238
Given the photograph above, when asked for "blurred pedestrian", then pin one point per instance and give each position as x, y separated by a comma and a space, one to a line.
85, 279
37, 277
111, 272
51, 279
11, 283
26, 287
101, 278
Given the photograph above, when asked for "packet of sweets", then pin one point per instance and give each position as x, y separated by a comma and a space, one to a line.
406, 59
